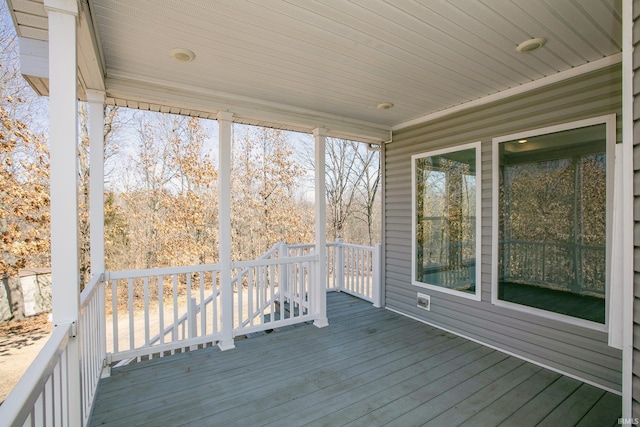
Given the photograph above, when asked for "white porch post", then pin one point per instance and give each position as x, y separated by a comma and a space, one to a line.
226, 293
95, 99
96, 164
320, 289
63, 137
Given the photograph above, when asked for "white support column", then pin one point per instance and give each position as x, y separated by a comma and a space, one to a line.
63, 139
96, 165
95, 99
320, 289
225, 120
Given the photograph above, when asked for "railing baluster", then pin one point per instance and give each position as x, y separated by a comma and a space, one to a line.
360, 267
272, 285
114, 315
216, 299
302, 290
240, 288
189, 317
131, 316
250, 291
174, 335
161, 308
147, 324
203, 312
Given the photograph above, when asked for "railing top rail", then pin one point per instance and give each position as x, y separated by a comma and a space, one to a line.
303, 246
262, 262
354, 246
270, 252
20, 401
166, 271
89, 290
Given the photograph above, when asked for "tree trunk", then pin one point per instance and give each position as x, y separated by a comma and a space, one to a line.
14, 296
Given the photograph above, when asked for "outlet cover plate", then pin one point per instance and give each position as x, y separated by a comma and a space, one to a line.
424, 301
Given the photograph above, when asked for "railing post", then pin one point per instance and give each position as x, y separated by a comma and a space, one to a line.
339, 260
377, 275
283, 273
192, 314
96, 100
224, 218
319, 291
192, 318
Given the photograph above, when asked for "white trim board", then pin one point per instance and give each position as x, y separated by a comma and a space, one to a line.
536, 84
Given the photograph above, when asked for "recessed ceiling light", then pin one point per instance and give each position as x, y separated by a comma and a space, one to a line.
184, 55
531, 45
522, 141
385, 105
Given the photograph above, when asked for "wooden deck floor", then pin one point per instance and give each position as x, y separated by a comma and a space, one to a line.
370, 367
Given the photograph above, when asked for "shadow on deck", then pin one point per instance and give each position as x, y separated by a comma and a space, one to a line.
369, 367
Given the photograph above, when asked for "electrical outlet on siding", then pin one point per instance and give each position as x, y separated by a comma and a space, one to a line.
424, 301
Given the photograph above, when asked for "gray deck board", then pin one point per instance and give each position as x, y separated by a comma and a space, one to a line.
368, 367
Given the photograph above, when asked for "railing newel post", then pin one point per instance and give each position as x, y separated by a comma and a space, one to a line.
283, 273
377, 275
339, 259
193, 319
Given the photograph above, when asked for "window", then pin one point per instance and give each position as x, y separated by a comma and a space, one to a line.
550, 211
446, 215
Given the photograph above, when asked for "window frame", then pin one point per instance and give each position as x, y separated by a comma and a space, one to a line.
478, 165
610, 122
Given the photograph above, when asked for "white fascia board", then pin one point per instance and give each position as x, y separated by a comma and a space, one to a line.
90, 61
34, 57
536, 84
244, 109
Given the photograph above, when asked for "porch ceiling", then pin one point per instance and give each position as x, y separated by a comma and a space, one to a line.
301, 64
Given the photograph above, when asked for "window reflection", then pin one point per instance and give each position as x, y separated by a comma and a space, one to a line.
445, 219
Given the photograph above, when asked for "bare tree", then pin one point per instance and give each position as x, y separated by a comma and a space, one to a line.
264, 180
352, 182
110, 148
24, 203
24, 172
369, 159
171, 206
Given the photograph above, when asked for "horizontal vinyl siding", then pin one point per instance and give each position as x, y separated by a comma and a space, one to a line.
578, 351
635, 393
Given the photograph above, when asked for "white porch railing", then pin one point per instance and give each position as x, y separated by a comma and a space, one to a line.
158, 311
353, 269
150, 313
273, 291
42, 397
92, 343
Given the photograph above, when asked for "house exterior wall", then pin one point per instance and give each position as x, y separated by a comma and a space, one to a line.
575, 350
635, 394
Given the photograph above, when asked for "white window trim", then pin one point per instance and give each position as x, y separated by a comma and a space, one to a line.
478, 293
610, 122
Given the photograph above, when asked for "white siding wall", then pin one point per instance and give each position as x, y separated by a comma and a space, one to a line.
578, 351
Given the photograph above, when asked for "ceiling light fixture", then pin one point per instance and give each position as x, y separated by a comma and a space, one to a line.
385, 105
183, 55
531, 45
522, 141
